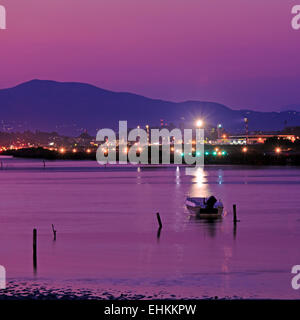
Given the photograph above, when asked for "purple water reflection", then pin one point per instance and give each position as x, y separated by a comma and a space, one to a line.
107, 229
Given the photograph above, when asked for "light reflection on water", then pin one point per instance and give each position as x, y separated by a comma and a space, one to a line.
107, 228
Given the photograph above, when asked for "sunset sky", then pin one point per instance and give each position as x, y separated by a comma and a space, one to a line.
242, 53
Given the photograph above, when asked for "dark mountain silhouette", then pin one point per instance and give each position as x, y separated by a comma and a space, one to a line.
291, 107
69, 108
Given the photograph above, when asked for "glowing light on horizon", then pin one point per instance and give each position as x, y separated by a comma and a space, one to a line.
199, 123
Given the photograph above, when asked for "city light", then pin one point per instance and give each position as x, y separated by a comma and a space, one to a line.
278, 150
74, 150
199, 123
88, 151
62, 150
245, 149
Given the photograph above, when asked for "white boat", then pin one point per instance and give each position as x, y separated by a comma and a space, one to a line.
204, 207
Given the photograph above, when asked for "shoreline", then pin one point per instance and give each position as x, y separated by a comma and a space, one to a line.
25, 290
255, 156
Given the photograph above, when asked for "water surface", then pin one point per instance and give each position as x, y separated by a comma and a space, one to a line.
106, 226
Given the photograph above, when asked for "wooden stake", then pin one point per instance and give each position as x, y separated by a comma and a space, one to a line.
158, 233
159, 220
235, 220
34, 249
54, 232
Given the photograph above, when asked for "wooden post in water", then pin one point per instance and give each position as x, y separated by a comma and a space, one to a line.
159, 220
54, 233
158, 233
235, 220
159, 224
34, 249
44, 163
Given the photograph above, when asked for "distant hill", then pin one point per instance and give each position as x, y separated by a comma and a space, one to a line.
293, 107
69, 108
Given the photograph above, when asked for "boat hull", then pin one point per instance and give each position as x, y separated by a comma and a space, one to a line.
204, 212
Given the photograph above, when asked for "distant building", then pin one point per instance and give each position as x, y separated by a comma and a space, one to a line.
254, 138
292, 130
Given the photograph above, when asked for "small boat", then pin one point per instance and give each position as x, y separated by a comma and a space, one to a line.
204, 207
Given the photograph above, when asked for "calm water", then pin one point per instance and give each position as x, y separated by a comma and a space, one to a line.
107, 229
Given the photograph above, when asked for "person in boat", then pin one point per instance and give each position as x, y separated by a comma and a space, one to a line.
211, 201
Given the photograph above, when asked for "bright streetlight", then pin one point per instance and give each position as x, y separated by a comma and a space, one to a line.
199, 123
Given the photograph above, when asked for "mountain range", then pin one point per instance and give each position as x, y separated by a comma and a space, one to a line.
70, 108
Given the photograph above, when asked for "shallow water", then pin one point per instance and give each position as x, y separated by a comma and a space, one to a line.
107, 240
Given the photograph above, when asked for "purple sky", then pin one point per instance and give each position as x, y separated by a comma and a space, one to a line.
238, 52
